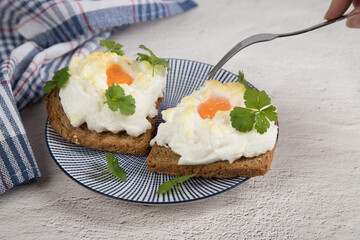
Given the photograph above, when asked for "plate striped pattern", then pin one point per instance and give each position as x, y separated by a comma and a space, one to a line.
87, 166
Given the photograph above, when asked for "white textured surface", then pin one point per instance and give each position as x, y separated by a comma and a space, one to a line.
313, 188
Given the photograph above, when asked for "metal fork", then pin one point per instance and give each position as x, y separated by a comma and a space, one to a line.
264, 37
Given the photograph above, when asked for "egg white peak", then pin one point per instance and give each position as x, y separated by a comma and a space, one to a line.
204, 141
83, 97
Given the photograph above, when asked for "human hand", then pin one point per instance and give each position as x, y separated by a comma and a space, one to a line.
339, 7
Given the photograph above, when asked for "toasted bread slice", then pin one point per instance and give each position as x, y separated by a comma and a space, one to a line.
164, 160
108, 141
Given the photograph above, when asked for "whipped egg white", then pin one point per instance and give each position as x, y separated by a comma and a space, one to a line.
204, 141
83, 97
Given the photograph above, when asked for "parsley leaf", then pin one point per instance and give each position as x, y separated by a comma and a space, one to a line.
59, 79
127, 105
49, 85
263, 99
241, 79
261, 122
168, 185
112, 46
270, 113
257, 113
242, 119
117, 100
115, 91
251, 98
114, 168
152, 59
184, 178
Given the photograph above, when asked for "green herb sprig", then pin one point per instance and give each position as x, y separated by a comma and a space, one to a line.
152, 59
59, 79
116, 100
112, 46
114, 168
168, 185
241, 79
257, 113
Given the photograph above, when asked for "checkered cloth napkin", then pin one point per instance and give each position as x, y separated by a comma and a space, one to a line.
40, 37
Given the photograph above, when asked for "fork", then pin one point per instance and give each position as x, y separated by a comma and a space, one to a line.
264, 37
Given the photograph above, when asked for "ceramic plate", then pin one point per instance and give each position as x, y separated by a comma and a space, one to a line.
86, 166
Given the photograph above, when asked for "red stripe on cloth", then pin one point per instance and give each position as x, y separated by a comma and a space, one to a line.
3, 181
35, 46
79, 52
8, 63
71, 46
85, 17
37, 15
5, 82
7, 68
7, 29
36, 69
17, 8
42, 11
22, 85
134, 12
168, 9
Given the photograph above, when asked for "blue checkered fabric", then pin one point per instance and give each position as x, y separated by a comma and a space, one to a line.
39, 37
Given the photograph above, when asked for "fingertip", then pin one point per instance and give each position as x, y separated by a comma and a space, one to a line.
353, 21
329, 13
337, 8
327, 16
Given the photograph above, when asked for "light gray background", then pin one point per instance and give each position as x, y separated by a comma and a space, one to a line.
312, 190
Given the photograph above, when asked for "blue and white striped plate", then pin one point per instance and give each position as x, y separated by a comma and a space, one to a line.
86, 166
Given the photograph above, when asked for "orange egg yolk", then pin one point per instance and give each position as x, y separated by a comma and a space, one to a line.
116, 75
208, 108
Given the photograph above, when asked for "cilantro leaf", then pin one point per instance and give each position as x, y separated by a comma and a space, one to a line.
143, 57
270, 113
163, 62
261, 122
251, 98
242, 119
263, 99
168, 185
255, 99
114, 168
184, 178
241, 79
113, 104
59, 79
152, 59
49, 85
257, 113
114, 92
116, 100
128, 105
112, 46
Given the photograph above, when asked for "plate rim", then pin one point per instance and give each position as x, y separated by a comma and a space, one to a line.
47, 125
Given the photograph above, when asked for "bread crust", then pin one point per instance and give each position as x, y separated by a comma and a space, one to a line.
164, 160
108, 141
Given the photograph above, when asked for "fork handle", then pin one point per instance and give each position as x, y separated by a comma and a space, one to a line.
264, 37
313, 27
